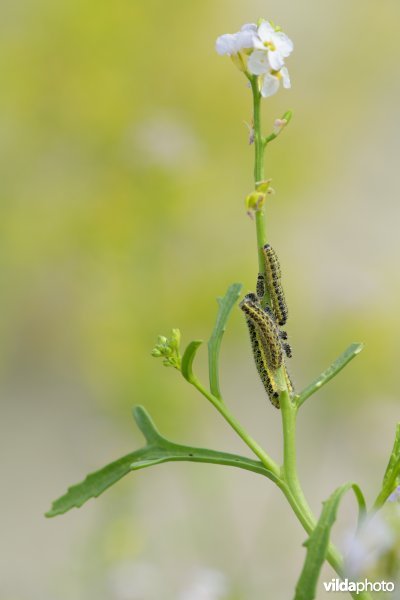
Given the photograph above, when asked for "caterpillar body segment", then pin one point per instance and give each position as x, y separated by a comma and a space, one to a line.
260, 286
287, 348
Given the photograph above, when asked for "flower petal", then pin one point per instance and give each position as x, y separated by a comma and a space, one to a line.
265, 31
249, 27
258, 62
226, 44
270, 85
244, 39
258, 44
285, 78
275, 60
283, 44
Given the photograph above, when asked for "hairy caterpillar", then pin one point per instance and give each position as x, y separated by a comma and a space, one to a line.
260, 286
268, 344
266, 376
266, 328
273, 284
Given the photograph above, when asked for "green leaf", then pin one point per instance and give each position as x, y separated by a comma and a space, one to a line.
157, 450
392, 473
225, 306
318, 542
187, 360
330, 372
393, 468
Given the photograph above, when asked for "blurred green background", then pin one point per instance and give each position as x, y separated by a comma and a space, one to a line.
124, 168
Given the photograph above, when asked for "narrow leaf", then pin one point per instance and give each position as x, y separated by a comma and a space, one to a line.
393, 468
187, 360
158, 450
225, 306
317, 543
146, 425
330, 372
392, 473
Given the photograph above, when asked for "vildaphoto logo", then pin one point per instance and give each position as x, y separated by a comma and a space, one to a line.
345, 585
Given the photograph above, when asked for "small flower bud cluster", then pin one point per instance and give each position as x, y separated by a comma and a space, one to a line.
259, 49
169, 349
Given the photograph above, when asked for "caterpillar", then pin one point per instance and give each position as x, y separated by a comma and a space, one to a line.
273, 284
266, 376
260, 286
268, 343
286, 347
266, 328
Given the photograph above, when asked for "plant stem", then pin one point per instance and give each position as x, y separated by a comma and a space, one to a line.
267, 461
286, 477
289, 481
292, 488
258, 169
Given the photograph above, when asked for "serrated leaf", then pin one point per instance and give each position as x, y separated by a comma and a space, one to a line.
158, 450
187, 360
317, 543
225, 306
330, 372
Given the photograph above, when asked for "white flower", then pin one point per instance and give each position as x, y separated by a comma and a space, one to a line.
275, 44
271, 81
261, 51
372, 540
232, 43
258, 62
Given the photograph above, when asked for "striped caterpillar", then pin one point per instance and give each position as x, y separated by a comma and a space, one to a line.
271, 283
267, 346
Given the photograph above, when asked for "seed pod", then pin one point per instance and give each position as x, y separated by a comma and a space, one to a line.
273, 284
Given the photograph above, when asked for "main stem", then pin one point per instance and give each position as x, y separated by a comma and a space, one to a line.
291, 484
258, 169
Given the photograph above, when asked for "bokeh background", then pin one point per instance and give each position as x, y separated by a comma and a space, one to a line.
123, 171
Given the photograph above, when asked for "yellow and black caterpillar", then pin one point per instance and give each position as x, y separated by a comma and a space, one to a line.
267, 346
271, 283
269, 343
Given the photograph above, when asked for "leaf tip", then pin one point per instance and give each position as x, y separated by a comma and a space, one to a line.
358, 347
188, 358
145, 424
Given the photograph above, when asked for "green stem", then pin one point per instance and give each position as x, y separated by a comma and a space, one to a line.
289, 480
267, 461
292, 488
286, 477
258, 169
381, 499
